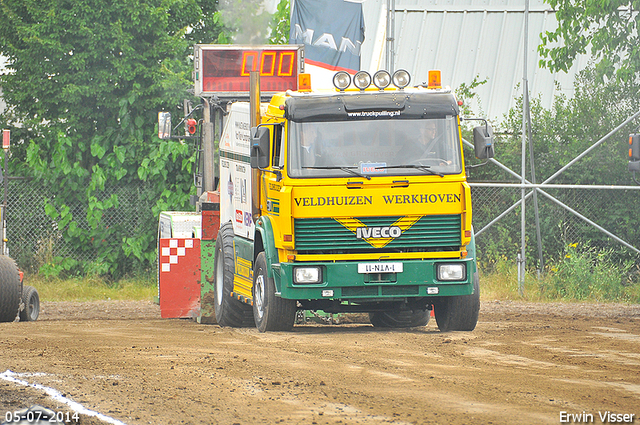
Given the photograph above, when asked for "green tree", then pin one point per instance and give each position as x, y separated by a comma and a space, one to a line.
560, 134
608, 28
280, 23
84, 83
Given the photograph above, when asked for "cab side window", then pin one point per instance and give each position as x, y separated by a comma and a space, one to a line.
277, 160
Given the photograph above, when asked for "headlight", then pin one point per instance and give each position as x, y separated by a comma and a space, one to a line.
381, 79
341, 80
307, 275
401, 79
451, 272
362, 80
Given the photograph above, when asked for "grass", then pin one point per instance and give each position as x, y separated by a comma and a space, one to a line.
585, 275
93, 288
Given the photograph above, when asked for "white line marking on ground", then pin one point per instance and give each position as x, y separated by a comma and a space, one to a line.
57, 396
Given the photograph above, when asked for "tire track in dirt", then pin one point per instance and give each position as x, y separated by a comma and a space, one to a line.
524, 363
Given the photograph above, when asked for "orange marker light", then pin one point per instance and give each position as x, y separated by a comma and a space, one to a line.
304, 82
435, 81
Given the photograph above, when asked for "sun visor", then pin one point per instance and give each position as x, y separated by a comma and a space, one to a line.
358, 106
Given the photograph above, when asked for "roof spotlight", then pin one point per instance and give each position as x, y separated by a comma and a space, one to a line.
381, 79
401, 79
341, 80
362, 80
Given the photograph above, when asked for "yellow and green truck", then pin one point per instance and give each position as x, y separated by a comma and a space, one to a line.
351, 200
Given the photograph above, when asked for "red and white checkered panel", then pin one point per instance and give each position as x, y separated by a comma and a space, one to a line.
179, 277
175, 249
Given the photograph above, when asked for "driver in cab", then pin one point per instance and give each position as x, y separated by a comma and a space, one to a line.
431, 144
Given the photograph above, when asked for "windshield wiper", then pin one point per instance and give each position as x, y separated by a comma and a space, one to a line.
425, 168
346, 169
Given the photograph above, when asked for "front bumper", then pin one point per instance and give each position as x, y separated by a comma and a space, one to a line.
341, 281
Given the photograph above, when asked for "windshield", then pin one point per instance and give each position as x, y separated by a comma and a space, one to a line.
374, 148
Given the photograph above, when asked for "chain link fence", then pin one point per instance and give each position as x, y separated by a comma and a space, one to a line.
34, 238
615, 210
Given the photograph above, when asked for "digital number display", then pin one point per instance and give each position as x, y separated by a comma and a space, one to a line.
226, 70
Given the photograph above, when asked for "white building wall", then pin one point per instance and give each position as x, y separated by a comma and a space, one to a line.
465, 38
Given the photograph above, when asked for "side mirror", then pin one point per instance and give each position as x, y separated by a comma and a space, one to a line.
483, 141
634, 152
260, 147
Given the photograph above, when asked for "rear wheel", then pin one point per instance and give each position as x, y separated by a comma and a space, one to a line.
459, 313
229, 311
31, 301
400, 319
271, 313
9, 289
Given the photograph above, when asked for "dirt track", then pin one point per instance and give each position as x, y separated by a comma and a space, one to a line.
524, 363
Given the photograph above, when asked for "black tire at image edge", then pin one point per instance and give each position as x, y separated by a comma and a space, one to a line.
9, 289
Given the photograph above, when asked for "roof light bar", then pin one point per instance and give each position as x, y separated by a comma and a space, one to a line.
362, 80
342, 80
401, 79
381, 79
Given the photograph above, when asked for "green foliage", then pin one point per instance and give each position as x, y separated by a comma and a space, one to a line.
559, 135
606, 28
586, 273
573, 125
582, 274
58, 266
467, 94
280, 24
85, 82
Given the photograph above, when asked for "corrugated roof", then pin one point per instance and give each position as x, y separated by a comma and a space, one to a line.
465, 38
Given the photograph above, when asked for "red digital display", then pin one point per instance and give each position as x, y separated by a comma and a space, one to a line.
226, 70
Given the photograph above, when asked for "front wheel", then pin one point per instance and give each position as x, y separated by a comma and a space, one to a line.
271, 313
459, 313
31, 301
229, 311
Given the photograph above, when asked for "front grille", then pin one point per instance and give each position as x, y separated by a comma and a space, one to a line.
400, 290
376, 291
326, 235
359, 291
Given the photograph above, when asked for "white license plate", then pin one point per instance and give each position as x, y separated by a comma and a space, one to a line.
379, 267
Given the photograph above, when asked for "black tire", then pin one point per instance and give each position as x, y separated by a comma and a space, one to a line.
229, 311
271, 313
459, 313
31, 301
9, 289
400, 319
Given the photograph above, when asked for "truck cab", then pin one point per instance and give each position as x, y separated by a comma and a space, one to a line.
359, 203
